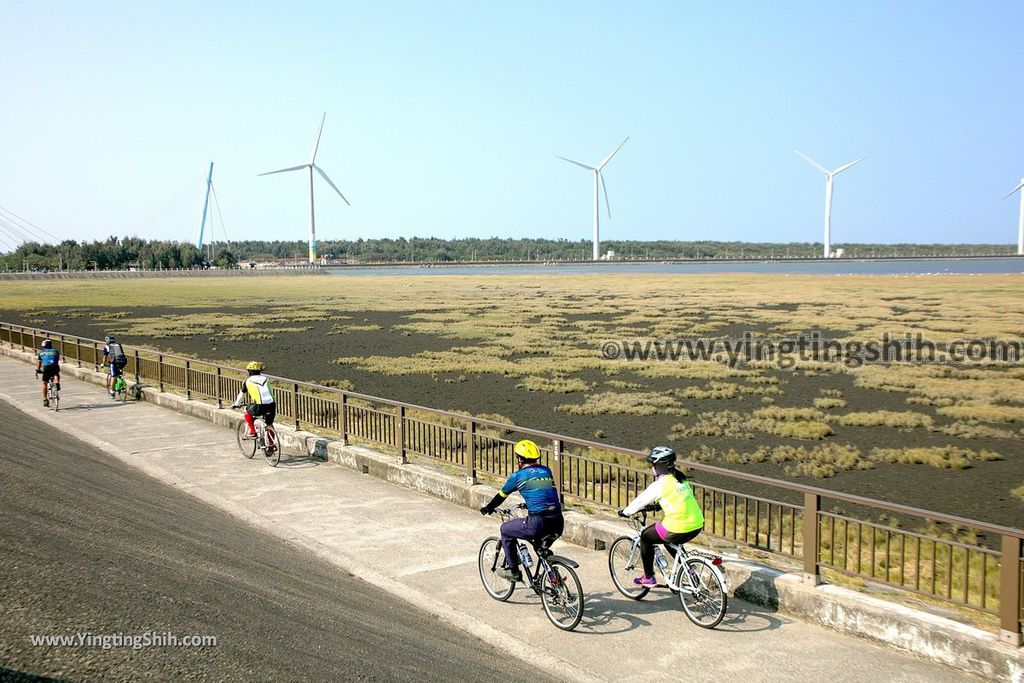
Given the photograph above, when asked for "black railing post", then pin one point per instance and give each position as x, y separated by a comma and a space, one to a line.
220, 404
1009, 592
188, 384
470, 451
78, 350
401, 435
343, 417
812, 504
138, 375
160, 371
295, 403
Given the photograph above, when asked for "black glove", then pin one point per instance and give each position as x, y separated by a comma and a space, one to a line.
38, 372
622, 512
486, 510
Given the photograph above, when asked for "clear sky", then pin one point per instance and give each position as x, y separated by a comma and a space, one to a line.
444, 118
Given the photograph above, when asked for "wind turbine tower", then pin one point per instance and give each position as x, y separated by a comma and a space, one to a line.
206, 205
311, 165
829, 175
598, 178
1020, 224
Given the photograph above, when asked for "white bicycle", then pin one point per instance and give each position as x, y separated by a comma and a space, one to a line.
694, 576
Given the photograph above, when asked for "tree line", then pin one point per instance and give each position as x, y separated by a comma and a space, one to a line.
133, 252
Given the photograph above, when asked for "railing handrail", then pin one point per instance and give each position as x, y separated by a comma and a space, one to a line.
929, 515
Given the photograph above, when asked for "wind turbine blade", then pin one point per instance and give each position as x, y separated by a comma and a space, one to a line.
335, 187
586, 166
843, 168
811, 161
285, 170
1019, 186
606, 204
613, 152
316, 145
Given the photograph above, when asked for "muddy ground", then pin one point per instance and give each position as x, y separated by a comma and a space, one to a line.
980, 492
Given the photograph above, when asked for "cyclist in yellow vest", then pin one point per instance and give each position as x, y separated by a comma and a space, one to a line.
683, 519
258, 397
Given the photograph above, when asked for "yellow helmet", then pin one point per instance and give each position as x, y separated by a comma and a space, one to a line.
527, 450
255, 365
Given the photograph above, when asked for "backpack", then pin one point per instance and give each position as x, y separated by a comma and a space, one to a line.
117, 354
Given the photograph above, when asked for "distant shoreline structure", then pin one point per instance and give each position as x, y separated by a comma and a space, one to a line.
282, 269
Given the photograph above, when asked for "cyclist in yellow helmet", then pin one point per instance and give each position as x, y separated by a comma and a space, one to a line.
257, 395
671, 491
536, 484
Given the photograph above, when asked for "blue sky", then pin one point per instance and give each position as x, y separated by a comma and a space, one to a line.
444, 118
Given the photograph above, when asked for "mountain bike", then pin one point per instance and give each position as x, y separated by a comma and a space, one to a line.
553, 580
265, 440
694, 576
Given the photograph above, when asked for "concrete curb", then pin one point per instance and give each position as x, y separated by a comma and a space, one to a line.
913, 631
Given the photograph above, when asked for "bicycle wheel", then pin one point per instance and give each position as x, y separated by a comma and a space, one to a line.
562, 595
271, 446
123, 392
701, 592
624, 565
247, 446
54, 398
489, 559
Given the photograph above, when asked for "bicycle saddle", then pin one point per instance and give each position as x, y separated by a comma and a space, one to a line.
543, 545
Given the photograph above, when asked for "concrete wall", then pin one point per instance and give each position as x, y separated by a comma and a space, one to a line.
915, 631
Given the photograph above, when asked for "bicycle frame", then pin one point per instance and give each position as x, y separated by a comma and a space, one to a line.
679, 555
534, 578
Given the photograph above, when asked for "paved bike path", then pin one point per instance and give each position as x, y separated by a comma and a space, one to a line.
424, 550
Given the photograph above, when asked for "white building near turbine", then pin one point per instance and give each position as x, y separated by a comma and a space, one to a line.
598, 178
829, 175
311, 166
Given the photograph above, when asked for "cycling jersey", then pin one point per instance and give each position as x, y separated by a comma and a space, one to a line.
537, 486
48, 357
257, 389
682, 513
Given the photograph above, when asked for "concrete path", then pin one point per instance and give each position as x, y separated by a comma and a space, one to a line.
424, 551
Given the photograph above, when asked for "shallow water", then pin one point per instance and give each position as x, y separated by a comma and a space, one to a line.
938, 266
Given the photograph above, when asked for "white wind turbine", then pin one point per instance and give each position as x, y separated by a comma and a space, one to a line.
1020, 226
598, 177
312, 165
828, 194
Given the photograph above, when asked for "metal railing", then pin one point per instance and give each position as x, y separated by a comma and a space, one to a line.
955, 560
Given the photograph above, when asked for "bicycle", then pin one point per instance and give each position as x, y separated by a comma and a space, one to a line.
694, 576
555, 580
119, 386
52, 393
265, 440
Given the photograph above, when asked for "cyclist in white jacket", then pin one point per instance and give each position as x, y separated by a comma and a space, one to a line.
683, 519
257, 394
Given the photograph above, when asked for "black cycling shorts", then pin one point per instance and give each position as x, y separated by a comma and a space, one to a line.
268, 411
50, 371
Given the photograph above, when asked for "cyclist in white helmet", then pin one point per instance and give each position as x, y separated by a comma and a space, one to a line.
683, 519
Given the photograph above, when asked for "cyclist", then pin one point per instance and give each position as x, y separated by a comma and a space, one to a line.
256, 389
683, 519
536, 484
114, 356
49, 366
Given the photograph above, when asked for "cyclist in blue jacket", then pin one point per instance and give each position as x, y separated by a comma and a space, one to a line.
49, 366
536, 484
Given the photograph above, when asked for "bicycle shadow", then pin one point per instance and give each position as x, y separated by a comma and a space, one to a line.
89, 406
297, 461
609, 612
